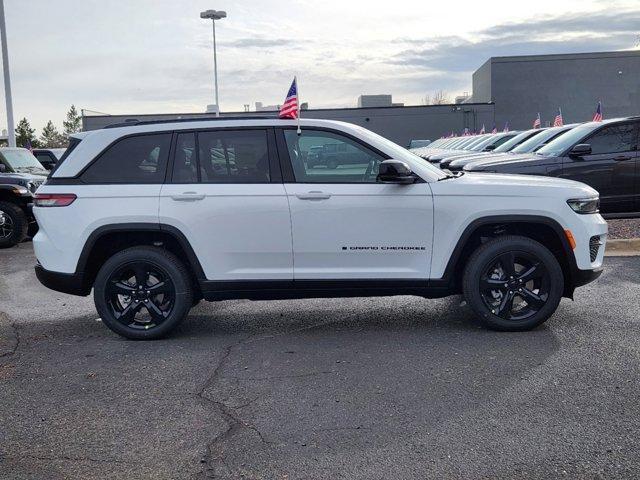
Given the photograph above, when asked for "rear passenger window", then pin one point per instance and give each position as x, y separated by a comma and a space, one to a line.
185, 168
239, 156
138, 159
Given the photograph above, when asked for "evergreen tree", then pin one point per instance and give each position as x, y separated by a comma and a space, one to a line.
25, 134
73, 123
51, 137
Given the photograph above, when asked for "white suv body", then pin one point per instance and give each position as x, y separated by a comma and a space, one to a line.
239, 207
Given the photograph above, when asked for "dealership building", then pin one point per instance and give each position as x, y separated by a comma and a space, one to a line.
505, 89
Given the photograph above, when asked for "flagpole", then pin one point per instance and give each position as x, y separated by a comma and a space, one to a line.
295, 79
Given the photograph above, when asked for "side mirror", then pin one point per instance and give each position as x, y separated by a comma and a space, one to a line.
488, 148
395, 171
3, 167
580, 150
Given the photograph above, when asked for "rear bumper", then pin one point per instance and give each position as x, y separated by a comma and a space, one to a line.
71, 283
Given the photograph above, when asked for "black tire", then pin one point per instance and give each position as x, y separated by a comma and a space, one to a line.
133, 314
13, 225
491, 287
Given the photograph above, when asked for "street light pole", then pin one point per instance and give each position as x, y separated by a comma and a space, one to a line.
214, 15
11, 132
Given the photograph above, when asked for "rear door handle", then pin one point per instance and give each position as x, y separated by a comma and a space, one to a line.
621, 158
187, 197
313, 195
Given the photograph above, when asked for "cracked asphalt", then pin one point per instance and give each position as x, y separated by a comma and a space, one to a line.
368, 388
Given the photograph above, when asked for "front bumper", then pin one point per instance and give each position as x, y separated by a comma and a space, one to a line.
582, 277
71, 283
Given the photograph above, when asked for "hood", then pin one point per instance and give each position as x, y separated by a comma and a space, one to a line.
523, 159
506, 185
450, 154
22, 176
471, 157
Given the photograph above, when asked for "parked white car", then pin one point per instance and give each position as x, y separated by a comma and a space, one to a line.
155, 216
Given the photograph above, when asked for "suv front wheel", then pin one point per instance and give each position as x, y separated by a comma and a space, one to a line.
513, 283
143, 293
13, 224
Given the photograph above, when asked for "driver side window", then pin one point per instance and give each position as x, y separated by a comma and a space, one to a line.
325, 157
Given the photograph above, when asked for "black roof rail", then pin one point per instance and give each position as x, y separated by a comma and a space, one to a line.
135, 122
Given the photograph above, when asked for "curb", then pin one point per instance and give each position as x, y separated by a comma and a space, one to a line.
626, 247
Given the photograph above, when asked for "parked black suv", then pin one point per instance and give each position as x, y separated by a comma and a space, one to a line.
603, 155
48, 157
20, 176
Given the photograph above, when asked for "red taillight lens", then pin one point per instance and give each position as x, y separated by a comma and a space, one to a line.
53, 199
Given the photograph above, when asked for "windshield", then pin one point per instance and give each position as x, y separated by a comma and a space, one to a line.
517, 140
474, 141
564, 142
544, 137
21, 161
478, 147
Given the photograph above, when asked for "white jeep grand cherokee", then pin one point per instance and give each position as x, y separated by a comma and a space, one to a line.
155, 216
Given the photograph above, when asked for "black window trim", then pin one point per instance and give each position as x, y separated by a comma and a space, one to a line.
595, 131
286, 164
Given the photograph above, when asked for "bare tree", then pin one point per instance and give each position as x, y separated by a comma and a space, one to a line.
440, 98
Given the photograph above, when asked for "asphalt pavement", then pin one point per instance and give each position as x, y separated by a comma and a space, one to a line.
367, 388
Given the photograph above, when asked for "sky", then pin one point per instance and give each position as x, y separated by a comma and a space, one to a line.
155, 56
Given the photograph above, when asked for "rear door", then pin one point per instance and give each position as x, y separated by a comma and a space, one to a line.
610, 168
225, 194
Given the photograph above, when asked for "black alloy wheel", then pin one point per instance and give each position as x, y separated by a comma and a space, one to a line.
141, 295
515, 286
513, 283
6, 225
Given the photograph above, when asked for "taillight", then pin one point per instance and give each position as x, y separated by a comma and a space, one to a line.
53, 199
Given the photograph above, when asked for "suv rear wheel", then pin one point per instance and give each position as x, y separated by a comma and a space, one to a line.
143, 293
513, 283
13, 225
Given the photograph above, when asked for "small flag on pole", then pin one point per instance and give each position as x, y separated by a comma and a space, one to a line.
289, 108
506, 127
494, 129
482, 130
557, 122
28, 145
537, 123
598, 115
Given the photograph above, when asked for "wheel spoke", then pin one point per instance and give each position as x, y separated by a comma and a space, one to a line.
487, 283
535, 271
122, 288
508, 263
155, 312
504, 309
533, 300
160, 287
141, 274
129, 313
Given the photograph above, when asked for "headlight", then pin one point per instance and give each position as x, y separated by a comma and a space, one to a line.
585, 205
20, 190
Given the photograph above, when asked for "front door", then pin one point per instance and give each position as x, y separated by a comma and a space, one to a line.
610, 168
227, 199
345, 225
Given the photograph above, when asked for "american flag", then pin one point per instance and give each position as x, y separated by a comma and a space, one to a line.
466, 132
557, 122
28, 145
495, 129
506, 127
289, 108
598, 115
537, 123
482, 131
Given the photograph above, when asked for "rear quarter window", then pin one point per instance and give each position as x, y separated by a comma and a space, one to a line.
135, 159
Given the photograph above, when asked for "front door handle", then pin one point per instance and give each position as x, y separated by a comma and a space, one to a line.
621, 158
314, 195
187, 197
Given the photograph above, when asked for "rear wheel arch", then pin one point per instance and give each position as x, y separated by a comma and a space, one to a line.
542, 229
108, 240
